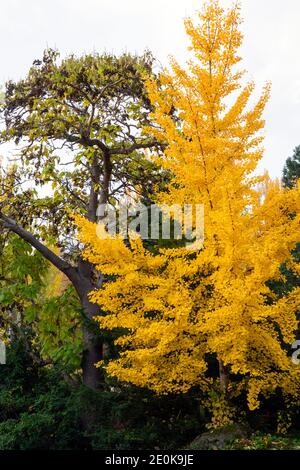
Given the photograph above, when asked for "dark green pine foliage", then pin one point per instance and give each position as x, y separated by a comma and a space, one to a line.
291, 171
291, 174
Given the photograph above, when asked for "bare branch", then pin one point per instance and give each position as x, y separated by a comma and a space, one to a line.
57, 261
132, 148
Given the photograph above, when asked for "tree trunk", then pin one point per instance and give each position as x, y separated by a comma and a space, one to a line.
82, 279
224, 378
92, 349
92, 343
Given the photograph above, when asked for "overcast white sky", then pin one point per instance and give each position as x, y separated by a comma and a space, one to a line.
271, 48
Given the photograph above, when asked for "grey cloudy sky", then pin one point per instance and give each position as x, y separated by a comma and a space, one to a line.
271, 48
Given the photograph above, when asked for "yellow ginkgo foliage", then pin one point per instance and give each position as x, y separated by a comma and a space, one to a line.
179, 309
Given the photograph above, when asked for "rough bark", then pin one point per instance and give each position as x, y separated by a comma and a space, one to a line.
92, 343
92, 353
224, 378
81, 278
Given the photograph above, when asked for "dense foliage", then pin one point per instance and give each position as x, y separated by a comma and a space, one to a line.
181, 308
124, 343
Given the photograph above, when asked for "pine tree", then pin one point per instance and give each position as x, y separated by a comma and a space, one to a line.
291, 171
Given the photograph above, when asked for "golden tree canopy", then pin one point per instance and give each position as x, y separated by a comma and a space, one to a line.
179, 308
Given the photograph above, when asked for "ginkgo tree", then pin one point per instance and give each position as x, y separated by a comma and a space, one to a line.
180, 309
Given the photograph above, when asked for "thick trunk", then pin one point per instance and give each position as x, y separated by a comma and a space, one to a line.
92, 342
92, 376
92, 348
224, 377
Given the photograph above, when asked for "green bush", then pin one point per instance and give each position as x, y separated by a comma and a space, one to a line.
39, 410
